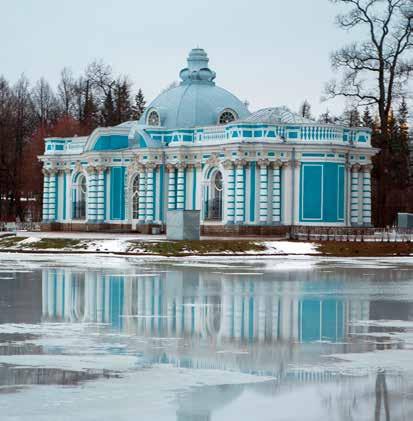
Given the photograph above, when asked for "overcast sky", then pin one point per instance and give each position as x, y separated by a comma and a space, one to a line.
269, 52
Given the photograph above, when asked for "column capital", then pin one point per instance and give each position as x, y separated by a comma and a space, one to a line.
53, 171
355, 167
181, 165
228, 164
367, 168
170, 167
263, 162
67, 170
277, 164
45, 172
150, 166
240, 163
91, 170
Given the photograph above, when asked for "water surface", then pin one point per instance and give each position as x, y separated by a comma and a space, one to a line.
105, 338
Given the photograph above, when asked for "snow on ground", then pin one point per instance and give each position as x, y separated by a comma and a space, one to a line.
121, 243
290, 247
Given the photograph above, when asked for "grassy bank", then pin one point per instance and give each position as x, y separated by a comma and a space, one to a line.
216, 247
364, 249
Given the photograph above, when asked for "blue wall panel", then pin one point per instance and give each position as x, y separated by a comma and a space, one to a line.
322, 192
311, 192
117, 193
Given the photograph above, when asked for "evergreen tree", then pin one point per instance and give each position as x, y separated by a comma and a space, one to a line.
123, 107
351, 117
367, 119
139, 106
108, 111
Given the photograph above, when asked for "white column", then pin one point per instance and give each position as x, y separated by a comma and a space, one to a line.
100, 196
142, 194
263, 165
355, 170
52, 195
46, 181
347, 197
367, 194
239, 192
180, 191
287, 198
92, 194
276, 192
149, 194
230, 192
295, 167
171, 187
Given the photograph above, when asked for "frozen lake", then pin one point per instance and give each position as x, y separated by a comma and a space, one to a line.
106, 338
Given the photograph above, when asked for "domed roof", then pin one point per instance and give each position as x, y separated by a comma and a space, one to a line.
276, 115
197, 101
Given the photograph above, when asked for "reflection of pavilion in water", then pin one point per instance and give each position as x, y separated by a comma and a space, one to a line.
225, 307
225, 321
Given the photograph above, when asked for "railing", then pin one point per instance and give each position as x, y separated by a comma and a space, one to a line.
19, 226
358, 234
212, 133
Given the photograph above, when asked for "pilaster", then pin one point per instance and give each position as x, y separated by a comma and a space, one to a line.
276, 192
263, 199
240, 191
180, 191
171, 187
46, 181
355, 195
367, 194
230, 192
92, 194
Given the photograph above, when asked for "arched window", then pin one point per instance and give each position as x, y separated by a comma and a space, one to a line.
135, 198
79, 197
227, 116
213, 206
153, 118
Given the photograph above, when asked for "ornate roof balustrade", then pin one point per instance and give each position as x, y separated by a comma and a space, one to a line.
62, 146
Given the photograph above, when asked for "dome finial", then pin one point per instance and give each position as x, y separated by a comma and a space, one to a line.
197, 70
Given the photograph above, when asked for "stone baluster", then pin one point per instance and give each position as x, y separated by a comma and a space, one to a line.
92, 194
52, 195
46, 181
263, 200
149, 193
142, 194
355, 194
367, 194
230, 191
180, 191
276, 192
239, 192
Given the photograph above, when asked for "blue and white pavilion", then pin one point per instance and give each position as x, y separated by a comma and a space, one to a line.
197, 147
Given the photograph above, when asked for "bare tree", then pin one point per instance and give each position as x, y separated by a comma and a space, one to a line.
45, 103
376, 69
66, 91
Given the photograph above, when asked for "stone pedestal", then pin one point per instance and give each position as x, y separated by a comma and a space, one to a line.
183, 225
